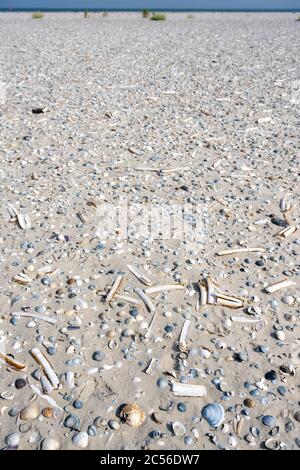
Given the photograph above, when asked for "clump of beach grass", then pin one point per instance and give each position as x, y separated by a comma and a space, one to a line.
86, 14
105, 14
146, 13
37, 15
158, 17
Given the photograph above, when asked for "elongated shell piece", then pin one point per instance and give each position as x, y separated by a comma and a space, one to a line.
188, 390
145, 299
162, 288
279, 285
240, 250
114, 288
43, 361
9, 361
141, 277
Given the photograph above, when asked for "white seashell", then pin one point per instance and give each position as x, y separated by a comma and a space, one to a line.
178, 428
279, 285
12, 440
50, 444
22, 279
30, 412
81, 440
280, 335
232, 441
204, 353
188, 390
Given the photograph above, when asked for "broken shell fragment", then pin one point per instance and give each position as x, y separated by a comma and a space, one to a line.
43, 361
214, 414
139, 275
11, 362
133, 415
279, 285
22, 279
178, 428
188, 390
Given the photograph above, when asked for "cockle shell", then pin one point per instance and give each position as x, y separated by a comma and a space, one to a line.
12, 440
214, 414
133, 415
31, 412
50, 444
81, 440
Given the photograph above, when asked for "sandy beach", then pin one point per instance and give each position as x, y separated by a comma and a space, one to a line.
104, 121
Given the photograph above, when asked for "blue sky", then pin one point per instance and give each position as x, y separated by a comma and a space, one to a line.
153, 4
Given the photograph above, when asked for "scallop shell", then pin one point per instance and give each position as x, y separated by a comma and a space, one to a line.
178, 428
81, 440
12, 440
214, 414
50, 444
31, 412
133, 415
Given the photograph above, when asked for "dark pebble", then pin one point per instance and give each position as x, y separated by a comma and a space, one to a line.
271, 375
181, 407
20, 383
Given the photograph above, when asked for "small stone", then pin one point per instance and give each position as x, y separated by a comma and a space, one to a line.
297, 416
20, 383
249, 402
162, 383
78, 404
271, 375
98, 356
182, 407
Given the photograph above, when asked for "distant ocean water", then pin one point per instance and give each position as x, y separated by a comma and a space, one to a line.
62, 10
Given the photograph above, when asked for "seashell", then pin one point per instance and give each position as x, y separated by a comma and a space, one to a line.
214, 414
22, 279
285, 205
272, 444
133, 415
31, 412
81, 440
232, 442
178, 428
237, 425
72, 422
50, 444
204, 353
12, 440
47, 412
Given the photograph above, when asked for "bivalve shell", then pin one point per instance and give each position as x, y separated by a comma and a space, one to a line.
81, 440
50, 444
214, 414
12, 440
133, 415
31, 412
